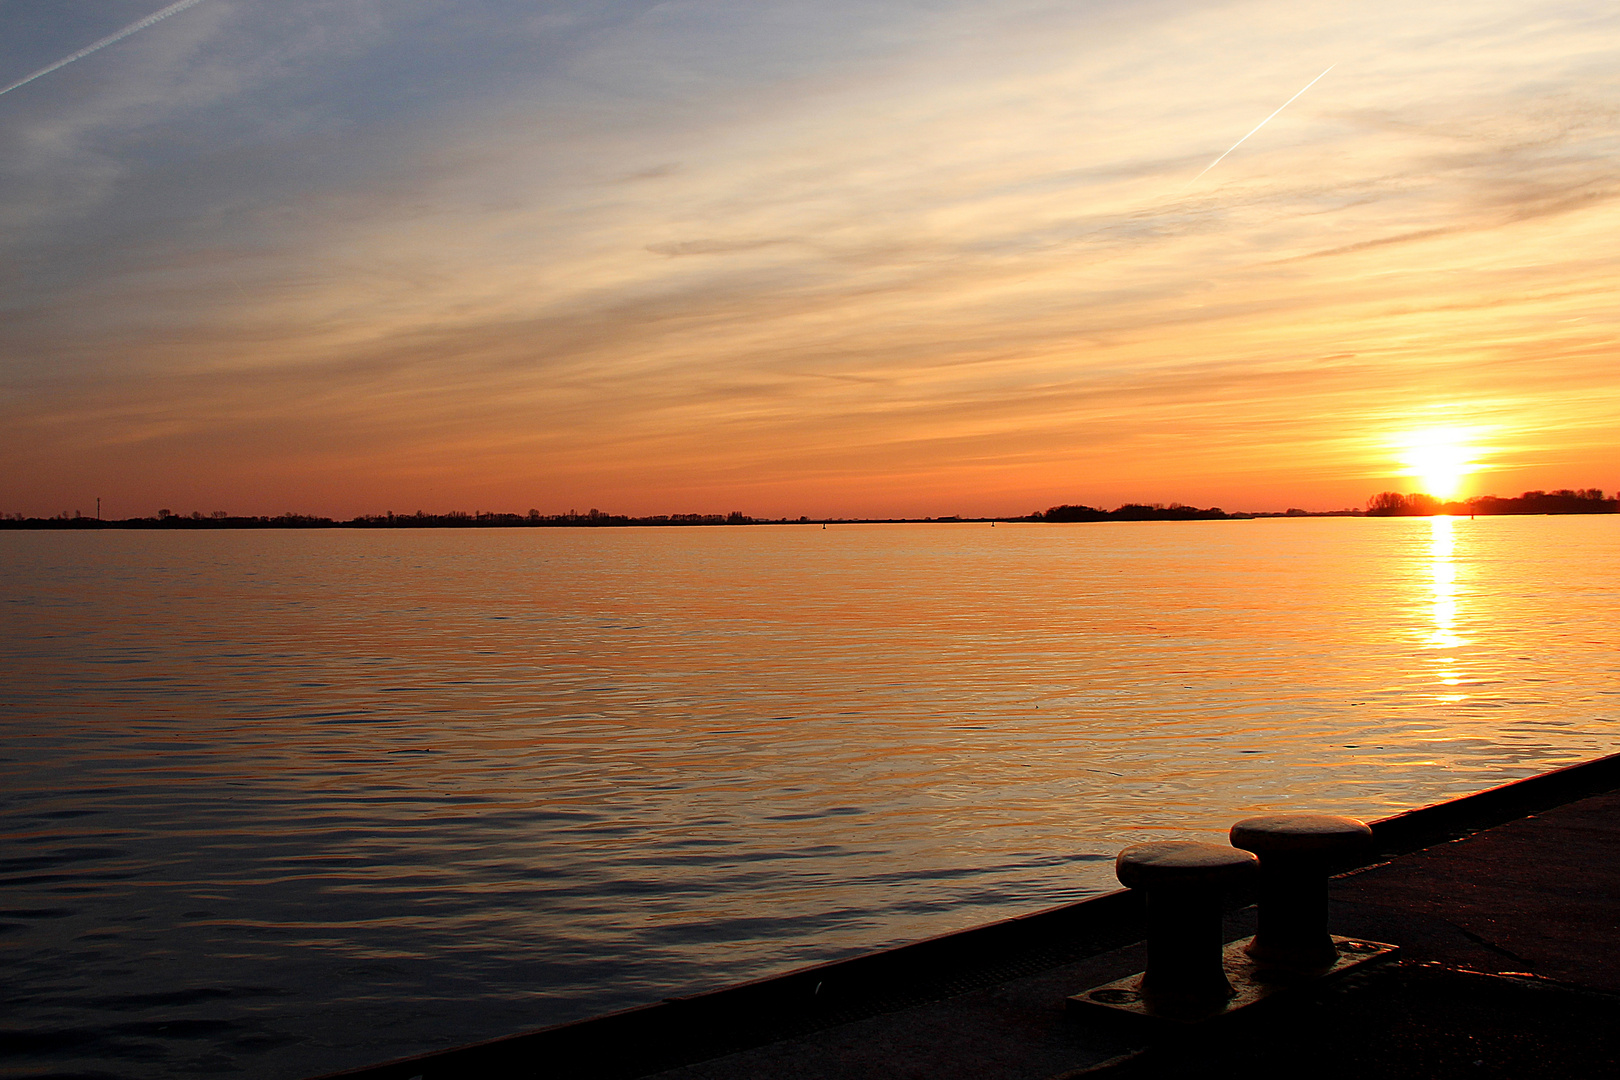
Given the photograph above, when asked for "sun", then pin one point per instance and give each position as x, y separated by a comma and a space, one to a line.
1439, 458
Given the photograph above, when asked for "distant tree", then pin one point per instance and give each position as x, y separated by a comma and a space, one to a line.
1387, 503
1394, 504
1420, 505
1067, 512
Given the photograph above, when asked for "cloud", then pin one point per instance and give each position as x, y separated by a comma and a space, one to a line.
392, 238
675, 249
654, 172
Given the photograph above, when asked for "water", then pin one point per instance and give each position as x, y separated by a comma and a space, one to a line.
275, 803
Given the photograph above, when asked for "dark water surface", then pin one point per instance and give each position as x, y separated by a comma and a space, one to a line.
275, 803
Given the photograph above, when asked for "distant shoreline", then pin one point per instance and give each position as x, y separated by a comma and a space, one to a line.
516, 521
1387, 504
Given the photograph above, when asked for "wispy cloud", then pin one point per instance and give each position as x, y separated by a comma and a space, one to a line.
676, 248
373, 247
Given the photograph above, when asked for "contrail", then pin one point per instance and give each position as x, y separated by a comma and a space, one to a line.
157, 16
1245, 138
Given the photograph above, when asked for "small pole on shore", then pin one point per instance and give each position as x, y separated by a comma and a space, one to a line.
98, 507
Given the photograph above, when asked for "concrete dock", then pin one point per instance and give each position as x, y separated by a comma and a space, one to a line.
1505, 906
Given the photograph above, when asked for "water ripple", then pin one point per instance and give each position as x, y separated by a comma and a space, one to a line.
278, 803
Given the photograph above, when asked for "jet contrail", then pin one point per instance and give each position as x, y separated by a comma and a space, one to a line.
156, 16
1257, 127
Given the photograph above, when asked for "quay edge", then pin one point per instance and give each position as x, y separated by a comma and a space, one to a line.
701, 1027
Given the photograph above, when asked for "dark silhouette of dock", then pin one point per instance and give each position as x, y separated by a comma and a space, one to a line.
1505, 906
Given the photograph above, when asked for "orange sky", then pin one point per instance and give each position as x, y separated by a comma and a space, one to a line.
340, 256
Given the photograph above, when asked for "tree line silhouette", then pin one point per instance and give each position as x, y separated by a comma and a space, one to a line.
1384, 504
1562, 501
1135, 512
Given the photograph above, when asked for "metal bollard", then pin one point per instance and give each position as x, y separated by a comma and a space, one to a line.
1183, 881
1296, 852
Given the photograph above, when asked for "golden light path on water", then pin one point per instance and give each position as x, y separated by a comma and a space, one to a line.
1444, 566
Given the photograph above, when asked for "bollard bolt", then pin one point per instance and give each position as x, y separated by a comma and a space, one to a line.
1296, 852
1183, 881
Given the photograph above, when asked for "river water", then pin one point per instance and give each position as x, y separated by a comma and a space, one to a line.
276, 803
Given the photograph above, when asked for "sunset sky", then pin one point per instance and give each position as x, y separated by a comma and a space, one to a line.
876, 258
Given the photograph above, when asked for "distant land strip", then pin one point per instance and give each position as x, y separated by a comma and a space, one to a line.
1384, 504
1562, 501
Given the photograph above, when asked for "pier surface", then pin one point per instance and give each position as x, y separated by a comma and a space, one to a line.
1505, 905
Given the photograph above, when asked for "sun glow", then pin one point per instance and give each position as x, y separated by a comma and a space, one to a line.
1439, 458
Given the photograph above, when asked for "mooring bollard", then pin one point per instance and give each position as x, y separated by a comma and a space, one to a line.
1183, 881
1297, 851
1191, 977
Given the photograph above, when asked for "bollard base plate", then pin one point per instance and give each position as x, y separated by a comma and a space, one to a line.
1251, 982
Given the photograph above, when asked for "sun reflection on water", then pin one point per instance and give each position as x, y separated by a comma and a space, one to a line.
1443, 572
1442, 548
